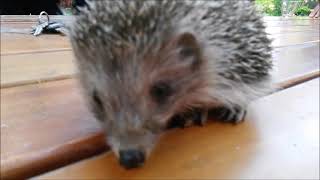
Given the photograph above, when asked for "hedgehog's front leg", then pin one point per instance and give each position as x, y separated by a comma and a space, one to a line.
199, 117
177, 121
234, 114
196, 117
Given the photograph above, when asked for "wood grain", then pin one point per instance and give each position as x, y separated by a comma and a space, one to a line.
19, 43
32, 68
278, 140
44, 126
24, 43
31, 18
289, 29
295, 62
293, 22
26, 59
289, 39
12, 43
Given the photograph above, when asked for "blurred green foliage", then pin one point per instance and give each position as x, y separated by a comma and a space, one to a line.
274, 7
302, 11
270, 7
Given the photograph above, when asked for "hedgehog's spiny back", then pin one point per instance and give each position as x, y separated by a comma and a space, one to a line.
122, 22
232, 26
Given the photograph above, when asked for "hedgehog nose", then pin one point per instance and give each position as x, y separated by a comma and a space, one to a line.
131, 158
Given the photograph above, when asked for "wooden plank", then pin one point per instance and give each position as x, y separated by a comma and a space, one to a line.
285, 29
295, 63
49, 114
23, 69
32, 18
289, 39
281, 18
12, 43
45, 126
278, 140
15, 43
18, 25
22, 43
293, 22
41, 66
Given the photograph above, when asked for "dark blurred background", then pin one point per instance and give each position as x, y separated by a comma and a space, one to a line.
34, 7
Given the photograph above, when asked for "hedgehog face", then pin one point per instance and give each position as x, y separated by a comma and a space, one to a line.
134, 94
140, 66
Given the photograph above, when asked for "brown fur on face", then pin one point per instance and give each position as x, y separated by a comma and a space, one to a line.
135, 95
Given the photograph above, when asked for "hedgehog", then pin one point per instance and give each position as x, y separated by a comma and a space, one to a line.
149, 65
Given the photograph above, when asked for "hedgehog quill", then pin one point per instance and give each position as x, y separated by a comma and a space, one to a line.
152, 64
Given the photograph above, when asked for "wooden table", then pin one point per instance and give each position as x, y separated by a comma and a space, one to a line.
45, 125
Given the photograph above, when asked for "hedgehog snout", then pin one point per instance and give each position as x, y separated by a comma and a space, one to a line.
131, 158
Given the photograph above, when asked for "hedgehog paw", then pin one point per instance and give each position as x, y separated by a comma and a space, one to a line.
199, 117
233, 115
195, 117
177, 121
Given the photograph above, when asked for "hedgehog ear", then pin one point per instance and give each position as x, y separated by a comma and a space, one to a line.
189, 48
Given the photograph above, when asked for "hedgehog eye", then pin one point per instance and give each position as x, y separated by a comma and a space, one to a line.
97, 100
98, 106
161, 91
187, 52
